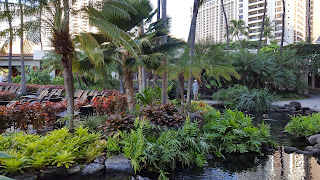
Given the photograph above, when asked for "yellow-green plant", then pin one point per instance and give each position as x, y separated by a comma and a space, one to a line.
304, 126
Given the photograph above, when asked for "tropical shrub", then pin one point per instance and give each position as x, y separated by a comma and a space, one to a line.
117, 122
40, 77
59, 148
6, 96
304, 126
147, 96
230, 93
16, 79
233, 132
92, 122
164, 151
163, 115
111, 104
57, 80
200, 106
256, 100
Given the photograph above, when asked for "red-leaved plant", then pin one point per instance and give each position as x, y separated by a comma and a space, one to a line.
6, 96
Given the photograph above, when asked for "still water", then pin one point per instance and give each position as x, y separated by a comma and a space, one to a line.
278, 166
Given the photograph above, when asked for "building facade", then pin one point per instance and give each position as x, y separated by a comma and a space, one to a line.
211, 26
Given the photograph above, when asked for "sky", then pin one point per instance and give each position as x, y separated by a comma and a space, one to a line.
180, 13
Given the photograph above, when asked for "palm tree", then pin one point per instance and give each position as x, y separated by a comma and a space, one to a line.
238, 27
191, 40
164, 61
23, 73
9, 17
263, 22
226, 21
283, 25
268, 29
123, 47
309, 21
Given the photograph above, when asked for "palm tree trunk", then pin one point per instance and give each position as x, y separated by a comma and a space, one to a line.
283, 26
309, 22
144, 78
262, 27
164, 60
10, 43
239, 41
181, 84
121, 84
79, 81
68, 81
155, 78
23, 73
158, 13
227, 26
40, 20
140, 78
128, 82
191, 40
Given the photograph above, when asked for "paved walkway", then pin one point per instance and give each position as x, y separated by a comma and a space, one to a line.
313, 102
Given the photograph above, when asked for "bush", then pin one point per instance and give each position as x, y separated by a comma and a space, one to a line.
16, 79
40, 77
241, 98
233, 132
115, 102
304, 126
163, 115
199, 106
6, 96
57, 80
230, 93
92, 122
258, 100
59, 148
117, 122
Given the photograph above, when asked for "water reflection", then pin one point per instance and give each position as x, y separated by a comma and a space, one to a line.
277, 166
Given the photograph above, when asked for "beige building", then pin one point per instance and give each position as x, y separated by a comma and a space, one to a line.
211, 26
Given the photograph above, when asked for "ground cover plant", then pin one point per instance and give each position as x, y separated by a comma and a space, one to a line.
304, 126
58, 148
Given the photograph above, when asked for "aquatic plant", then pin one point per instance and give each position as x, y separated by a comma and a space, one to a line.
304, 126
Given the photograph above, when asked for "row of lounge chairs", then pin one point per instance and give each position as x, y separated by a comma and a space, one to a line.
53, 95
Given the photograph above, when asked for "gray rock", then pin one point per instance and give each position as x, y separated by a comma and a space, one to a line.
295, 104
289, 108
308, 112
305, 108
317, 146
75, 169
119, 164
313, 151
100, 160
141, 178
313, 139
290, 150
52, 172
92, 168
24, 176
304, 152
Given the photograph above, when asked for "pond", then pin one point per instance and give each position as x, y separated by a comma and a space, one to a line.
255, 167
276, 166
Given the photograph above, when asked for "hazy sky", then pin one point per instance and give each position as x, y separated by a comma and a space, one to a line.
180, 13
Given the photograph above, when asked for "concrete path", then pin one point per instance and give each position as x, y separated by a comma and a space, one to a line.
313, 102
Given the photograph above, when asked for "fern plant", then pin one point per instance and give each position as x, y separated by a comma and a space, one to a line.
304, 126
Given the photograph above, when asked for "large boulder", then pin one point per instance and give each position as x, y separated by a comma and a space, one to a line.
119, 164
92, 168
313, 151
290, 150
52, 172
295, 104
314, 139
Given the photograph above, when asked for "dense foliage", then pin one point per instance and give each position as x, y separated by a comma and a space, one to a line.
304, 126
241, 98
233, 132
114, 102
58, 148
6, 96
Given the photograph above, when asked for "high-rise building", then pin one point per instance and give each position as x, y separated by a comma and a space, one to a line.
211, 21
211, 24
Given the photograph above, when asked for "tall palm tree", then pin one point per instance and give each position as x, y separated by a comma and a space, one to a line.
263, 22
238, 27
309, 21
124, 47
268, 29
9, 18
226, 21
191, 40
23, 73
164, 93
283, 25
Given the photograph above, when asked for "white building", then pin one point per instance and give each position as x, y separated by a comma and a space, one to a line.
211, 26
